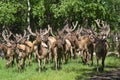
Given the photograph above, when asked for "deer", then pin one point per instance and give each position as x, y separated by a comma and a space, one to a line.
80, 42
8, 48
41, 50
55, 44
60, 51
70, 40
86, 49
101, 43
116, 39
23, 49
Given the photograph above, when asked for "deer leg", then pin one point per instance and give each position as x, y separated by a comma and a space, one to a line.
87, 56
59, 61
103, 60
84, 56
30, 58
50, 57
55, 58
118, 54
66, 54
44, 62
97, 64
91, 58
19, 67
71, 51
59, 58
17, 60
7, 63
12, 61
66, 57
35, 56
75, 53
62, 59
39, 65
24, 63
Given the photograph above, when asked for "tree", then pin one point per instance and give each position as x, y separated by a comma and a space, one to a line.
113, 14
38, 11
16, 15
7, 12
79, 10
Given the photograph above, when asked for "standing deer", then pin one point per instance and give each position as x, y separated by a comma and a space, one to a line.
8, 48
40, 47
23, 49
101, 44
70, 40
86, 48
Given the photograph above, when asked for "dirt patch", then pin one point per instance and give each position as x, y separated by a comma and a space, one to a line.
110, 75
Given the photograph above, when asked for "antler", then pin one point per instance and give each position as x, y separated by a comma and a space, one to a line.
98, 23
105, 28
22, 37
74, 25
6, 38
10, 33
30, 31
47, 31
37, 33
71, 29
24, 34
51, 31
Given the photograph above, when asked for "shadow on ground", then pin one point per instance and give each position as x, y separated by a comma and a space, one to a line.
106, 75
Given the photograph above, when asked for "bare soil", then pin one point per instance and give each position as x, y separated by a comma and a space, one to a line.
109, 75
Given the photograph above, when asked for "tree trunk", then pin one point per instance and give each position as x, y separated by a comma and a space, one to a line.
28, 13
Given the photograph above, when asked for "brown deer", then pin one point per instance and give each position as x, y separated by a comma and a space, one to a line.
40, 47
60, 51
70, 40
86, 48
23, 49
8, 48
101, 43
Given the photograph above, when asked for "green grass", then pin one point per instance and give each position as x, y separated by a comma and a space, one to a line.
72, 71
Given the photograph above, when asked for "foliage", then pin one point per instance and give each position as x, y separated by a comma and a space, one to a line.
8, 11
13, 13
79, 10
112, 15
38, 11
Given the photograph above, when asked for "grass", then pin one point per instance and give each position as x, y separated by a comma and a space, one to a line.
72, 71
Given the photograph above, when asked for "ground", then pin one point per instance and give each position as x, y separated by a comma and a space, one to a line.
74, 70
109, 75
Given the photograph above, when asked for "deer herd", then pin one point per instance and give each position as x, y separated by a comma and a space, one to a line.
69, 42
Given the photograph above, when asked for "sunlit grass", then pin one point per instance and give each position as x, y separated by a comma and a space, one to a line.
74, 70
